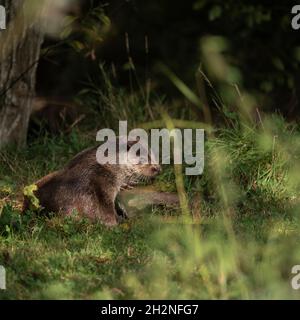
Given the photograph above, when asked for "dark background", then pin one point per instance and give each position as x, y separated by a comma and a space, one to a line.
263, 46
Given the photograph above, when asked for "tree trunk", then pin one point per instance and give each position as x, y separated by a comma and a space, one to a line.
19, 52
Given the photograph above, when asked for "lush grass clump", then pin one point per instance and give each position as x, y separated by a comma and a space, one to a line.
76, 258
255, 164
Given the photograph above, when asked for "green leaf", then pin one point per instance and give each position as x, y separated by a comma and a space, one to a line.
28, 192
77, 45
181, 86
215, 13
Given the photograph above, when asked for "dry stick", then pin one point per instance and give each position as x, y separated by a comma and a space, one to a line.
14, 82
202, 93
245, 115
43, 101
150, 196
217, 96
260, 119
79, 119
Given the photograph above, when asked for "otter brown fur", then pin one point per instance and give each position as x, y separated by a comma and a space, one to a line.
89, 188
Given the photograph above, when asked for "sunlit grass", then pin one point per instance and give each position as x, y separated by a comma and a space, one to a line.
240, 241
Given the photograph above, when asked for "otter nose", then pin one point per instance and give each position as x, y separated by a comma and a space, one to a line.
156, 169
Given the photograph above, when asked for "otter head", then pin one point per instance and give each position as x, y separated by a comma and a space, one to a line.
129, 161
142, 159
141, 163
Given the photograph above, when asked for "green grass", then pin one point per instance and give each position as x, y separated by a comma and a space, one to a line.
147, 258
41, 254
243, 245
241, 242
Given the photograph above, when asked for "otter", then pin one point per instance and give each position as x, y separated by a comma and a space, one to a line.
90, 188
